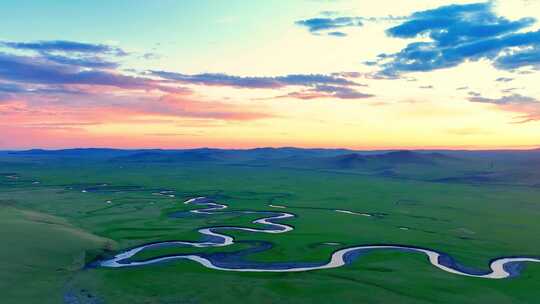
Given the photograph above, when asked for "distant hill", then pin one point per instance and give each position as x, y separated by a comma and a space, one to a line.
78, 151
345, 161
262, 155
202, 155
409, 157
290, 156
287, 156
379, 161
442, 166
73, 153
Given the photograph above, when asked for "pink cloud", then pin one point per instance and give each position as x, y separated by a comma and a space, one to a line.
186, 107
528, 107
64, 121
529, 112
104, 107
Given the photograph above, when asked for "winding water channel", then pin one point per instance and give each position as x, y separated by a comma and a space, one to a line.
500, 268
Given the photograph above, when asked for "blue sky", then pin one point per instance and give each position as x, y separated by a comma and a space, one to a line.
183, 29
244, 73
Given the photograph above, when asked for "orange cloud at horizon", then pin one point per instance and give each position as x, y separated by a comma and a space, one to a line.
127, 119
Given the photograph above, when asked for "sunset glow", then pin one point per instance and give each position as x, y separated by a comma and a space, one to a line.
232, 74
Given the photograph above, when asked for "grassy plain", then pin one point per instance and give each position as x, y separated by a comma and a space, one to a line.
50, 229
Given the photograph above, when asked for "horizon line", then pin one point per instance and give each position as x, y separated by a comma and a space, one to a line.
373, 149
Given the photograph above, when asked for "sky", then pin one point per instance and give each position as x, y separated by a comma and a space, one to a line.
416, 74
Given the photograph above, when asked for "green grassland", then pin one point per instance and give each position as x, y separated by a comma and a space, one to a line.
51, 229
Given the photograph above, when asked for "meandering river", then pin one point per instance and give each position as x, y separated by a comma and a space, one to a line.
499, 268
